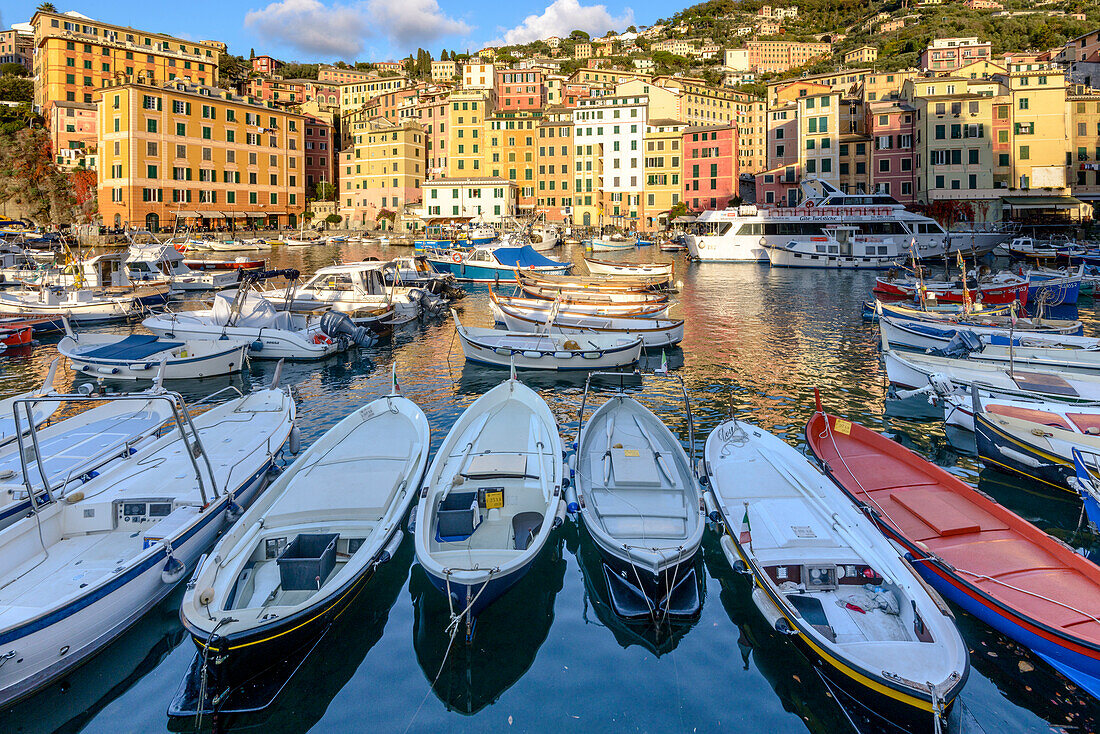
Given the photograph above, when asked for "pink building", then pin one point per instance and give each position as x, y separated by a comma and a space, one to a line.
947, 54
890, 126
432, 114
522, 89
73, 133
710, 166
320, 154
265, 64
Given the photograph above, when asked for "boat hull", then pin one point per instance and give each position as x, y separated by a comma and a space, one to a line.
52, 645
263, 343
224, 362
989, 295
726, 249
1000, 449
782, 257
485, 273
549, 359
477, 595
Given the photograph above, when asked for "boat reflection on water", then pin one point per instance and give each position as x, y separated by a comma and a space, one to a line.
660, 636
801, 689
71, 702
474, 379
508, 635
328, 666
191, 390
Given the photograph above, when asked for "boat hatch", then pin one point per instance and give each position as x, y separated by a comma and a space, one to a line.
1046, 383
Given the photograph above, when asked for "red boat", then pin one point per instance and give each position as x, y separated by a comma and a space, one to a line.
988, 560
38, 323
16, 335
239, 263
1001, 289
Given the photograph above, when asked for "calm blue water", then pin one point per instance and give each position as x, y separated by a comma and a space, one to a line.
549, 656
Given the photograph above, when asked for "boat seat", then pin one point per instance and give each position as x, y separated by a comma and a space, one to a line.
1035, 416
1039, 382
135, 346
1087, 422
456, 517
526, 526
935, 511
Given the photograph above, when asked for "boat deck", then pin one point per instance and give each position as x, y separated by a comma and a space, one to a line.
998, 552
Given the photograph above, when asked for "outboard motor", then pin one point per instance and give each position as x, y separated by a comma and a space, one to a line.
961, 345
338, 326
942, 384
429, 304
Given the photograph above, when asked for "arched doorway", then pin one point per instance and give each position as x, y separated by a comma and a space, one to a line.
118, 221
152, 221
587, 219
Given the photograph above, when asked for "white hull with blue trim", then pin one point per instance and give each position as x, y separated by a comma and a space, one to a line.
491, 498
493, 264
86, 567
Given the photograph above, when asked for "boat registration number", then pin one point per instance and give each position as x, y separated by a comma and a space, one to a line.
494, 499
843, 426
633, 453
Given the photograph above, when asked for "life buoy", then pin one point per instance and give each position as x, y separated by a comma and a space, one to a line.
809, 205
456, 256
322, 339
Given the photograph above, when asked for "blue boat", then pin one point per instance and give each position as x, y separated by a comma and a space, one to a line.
486, 264
455, 235
1054, 287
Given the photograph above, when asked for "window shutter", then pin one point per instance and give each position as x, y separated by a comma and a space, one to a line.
187, 108
159, 103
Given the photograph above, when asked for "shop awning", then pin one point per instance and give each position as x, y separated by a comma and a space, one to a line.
683, 220
186, 214
211, 215
1042, 202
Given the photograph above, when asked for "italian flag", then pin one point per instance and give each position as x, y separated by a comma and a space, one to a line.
745, 536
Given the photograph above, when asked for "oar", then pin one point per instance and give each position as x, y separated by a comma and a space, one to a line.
656, 450
607, 454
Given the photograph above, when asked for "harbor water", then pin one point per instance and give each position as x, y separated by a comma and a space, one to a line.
550, 656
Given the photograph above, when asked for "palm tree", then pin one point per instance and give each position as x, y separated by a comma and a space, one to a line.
46, 8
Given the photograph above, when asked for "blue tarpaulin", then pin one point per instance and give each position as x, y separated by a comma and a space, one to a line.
523, 257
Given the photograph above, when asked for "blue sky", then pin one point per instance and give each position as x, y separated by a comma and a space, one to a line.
360, 30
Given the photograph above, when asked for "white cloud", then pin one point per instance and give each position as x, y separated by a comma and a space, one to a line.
338, 30
563, 16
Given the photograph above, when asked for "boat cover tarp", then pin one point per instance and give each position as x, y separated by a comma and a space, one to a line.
135, 346
255, 312
523, 257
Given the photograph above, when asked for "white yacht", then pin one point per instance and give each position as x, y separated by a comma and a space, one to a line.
829, 228
361, 285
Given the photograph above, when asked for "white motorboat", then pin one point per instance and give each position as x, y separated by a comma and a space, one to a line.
297, 558
240, 245
361, 285
640, 501
654, 332
609, 244
825, 576
958, 410
490, 499
492, 263
161, 262
84, 305
302, 242
245, 315
917, 371
39, 412
631, 270
82, 570
72, 451
565, 305
143, 356
544, 237
547, 351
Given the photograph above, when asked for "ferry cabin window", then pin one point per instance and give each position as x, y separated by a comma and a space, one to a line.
928, 228
336, 283
792, 228
753, 228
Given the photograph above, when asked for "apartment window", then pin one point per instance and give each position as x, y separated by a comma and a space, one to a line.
150, 126
884, 165
150, 172
972, 157
972, 181
1023, 103
941, 132
1025, 152
150, 148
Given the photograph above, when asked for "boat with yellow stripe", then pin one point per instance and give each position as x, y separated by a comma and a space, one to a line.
826, 578
295, 561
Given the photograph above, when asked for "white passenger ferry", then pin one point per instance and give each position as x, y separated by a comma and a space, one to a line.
829, 229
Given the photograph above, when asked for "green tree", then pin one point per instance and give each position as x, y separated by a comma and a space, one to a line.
300, 71
334, 219
325, 191
46, 8
16, 89
29, 178
13, 69
579, 36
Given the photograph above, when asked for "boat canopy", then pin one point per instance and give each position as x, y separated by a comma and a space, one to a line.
522, 257
255, 311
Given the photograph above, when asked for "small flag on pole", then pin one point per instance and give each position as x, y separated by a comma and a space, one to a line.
664, 363
396, 384
744, 537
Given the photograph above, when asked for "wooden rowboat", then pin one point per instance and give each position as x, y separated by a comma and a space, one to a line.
595, 282
978, 554
628, 310
634, 270
594, 297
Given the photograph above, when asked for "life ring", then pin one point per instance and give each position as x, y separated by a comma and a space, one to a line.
456, 256
809, 204
322, 339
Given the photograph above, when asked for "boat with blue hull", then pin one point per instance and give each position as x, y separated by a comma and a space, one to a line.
976, 553
1054, 287
494, 264
490, 500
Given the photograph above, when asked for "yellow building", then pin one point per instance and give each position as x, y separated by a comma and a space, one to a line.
582, 51
382, 171
1040, 139
510, 151
752, 132
701, 103
444, 71
75, 55
177, 151
662, 171
354, 95
1084, 126
555, 163
861, 55
466, 115
818, 133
